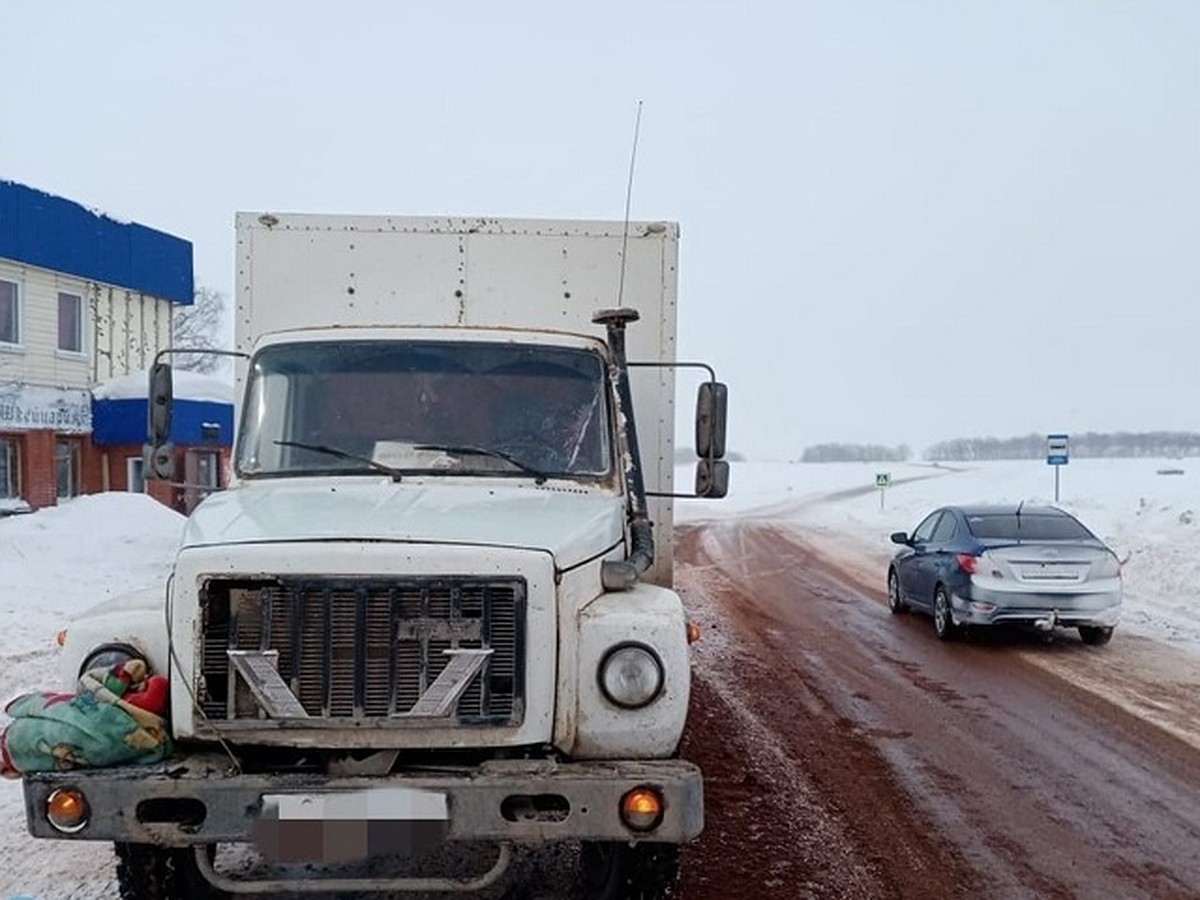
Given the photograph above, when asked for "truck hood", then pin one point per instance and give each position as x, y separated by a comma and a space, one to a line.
573, 524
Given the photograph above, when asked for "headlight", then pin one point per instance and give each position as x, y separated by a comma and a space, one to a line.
108, 655
631, 675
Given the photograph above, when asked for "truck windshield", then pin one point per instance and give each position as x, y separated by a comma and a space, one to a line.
425, 407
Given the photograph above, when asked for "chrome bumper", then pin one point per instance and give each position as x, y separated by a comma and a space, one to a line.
1066, 610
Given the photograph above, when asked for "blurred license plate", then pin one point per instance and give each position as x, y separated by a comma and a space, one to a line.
1050, 573
343, 826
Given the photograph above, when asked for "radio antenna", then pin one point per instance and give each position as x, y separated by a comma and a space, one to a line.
637, 126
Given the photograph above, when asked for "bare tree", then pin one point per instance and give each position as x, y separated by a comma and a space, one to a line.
198, 327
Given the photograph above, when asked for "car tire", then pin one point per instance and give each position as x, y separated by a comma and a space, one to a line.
943, 620
895, 603
1095, 635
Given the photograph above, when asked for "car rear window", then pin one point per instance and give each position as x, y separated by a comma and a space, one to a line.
1027, 528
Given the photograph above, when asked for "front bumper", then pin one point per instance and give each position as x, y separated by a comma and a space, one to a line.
988, 607
198, 801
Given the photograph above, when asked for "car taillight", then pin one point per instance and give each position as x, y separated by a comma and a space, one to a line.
967, 562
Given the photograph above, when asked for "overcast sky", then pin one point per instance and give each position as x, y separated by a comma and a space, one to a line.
902, 221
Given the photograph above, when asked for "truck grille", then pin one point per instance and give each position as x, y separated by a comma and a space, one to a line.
363, 648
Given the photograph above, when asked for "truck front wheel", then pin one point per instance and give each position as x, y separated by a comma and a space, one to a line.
146, 872
617, 871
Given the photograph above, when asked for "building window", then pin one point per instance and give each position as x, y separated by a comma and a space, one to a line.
9, 487
208, 471
66, 466
70, 322
135, 476
10, 313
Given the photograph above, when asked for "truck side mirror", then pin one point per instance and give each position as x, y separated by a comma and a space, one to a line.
159, 401
158, 461
712, 478
158, 456
712, 400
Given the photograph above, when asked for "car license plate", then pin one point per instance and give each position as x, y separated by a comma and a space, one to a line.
1050, 573
348, 825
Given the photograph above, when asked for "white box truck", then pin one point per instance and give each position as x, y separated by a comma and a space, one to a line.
434, 606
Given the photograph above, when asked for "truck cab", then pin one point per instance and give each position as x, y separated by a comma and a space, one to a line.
437, 593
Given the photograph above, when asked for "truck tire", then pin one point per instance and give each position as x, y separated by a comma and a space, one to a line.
147, 872
617, 871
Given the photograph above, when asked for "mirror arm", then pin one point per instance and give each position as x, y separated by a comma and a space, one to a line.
712, 379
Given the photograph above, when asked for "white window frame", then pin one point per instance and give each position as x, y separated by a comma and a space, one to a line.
10, 485
135, 471
74, 460
213, 457
17, 313
71, 351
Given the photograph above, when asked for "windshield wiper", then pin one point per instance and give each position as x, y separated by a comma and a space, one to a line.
463, 450
342, 454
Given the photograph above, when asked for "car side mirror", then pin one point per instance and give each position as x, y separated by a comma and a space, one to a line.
899, 537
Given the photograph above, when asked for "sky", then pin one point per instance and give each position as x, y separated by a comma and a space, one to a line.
902, 222
100, 546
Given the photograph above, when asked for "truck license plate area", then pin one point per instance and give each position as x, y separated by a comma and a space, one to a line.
347, 826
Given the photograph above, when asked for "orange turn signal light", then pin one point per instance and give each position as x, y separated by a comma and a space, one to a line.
642, 809
67, 810
693, 632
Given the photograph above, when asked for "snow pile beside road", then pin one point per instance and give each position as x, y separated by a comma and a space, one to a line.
55, 563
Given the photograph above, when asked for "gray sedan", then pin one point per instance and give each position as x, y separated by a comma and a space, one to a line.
985, 565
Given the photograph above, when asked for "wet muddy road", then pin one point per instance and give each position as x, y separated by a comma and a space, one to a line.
848, 753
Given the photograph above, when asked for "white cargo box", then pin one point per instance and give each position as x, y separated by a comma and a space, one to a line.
303, 270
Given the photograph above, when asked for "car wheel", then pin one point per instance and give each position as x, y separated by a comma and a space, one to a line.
1095, 635
895, 603
943, 622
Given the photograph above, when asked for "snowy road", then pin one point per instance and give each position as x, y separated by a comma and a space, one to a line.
847, 753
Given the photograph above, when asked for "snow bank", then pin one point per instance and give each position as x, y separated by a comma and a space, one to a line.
187, 386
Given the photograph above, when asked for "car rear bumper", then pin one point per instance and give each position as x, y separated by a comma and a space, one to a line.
986, 607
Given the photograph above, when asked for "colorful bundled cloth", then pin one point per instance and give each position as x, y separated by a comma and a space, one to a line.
116, 717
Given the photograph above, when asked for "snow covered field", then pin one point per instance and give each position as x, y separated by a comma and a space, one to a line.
58, 561
1151, 520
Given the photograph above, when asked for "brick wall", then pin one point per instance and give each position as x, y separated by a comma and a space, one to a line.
100, 468
39, 484
91, 466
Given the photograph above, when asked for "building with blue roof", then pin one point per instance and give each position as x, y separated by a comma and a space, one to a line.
85, 299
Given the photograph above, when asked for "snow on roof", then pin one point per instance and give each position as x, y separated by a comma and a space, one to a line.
188, 386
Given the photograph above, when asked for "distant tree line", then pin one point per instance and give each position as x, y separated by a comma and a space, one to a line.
1089, 444
820, 453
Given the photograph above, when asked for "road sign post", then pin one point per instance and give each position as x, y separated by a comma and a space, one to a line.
1058, 455
883, 481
